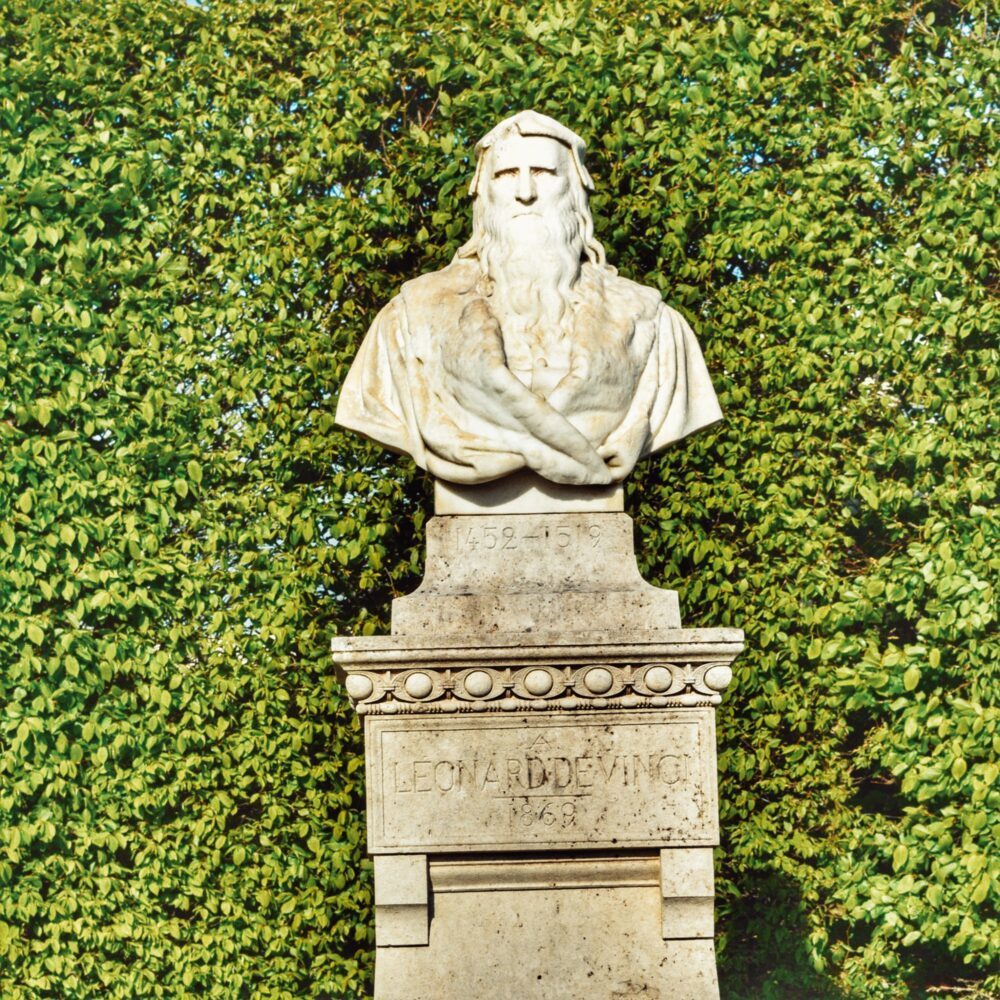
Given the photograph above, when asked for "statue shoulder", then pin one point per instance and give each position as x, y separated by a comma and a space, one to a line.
435, 288
622, 295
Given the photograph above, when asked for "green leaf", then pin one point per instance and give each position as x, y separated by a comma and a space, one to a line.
899, 856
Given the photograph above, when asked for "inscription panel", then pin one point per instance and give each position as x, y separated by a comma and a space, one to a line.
519, 553
525, 783
534, 535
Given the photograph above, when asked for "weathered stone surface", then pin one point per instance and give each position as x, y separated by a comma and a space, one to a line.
553, 928
687, 882
402, 900
588, 914
592, 780
528, 350
526, 493
532, 820
541, 672
532, 572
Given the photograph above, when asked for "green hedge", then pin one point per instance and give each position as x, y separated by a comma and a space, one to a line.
201, 209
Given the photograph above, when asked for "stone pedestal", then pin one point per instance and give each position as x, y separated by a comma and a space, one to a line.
540, 763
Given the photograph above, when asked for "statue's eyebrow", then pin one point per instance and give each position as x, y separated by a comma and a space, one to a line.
506, 171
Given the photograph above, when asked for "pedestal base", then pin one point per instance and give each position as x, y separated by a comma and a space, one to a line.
540, 765
559, 928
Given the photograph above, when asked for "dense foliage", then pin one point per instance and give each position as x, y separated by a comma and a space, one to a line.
201, 209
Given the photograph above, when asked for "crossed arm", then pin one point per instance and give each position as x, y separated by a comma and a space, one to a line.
482, 382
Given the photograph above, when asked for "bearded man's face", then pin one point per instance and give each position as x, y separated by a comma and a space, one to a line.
530, 249
528, 187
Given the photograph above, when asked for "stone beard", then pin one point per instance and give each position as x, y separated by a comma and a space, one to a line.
528, 350
530, 265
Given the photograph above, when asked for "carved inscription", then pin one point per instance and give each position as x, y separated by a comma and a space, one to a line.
521, 783
482, 535
526, 773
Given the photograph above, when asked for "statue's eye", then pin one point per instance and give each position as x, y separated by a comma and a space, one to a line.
543, 170
507, 172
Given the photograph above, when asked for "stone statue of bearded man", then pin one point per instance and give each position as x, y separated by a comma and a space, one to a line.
528, 350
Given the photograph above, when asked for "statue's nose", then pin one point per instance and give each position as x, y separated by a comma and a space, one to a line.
526, 193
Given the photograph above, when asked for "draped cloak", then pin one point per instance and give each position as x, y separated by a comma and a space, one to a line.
431, 380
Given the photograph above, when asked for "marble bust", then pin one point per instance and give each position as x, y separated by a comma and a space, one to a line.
528, 351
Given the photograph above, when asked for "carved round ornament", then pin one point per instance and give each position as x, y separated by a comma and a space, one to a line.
418, 685
478, 683
658, 679
598, 680
359, 686
538, 682
718, 677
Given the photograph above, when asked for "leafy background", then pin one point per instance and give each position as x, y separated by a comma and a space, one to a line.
201, 209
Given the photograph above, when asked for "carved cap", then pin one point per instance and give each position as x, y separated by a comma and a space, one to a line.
533, 123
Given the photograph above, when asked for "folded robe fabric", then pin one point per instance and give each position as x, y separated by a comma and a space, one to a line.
431, 380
